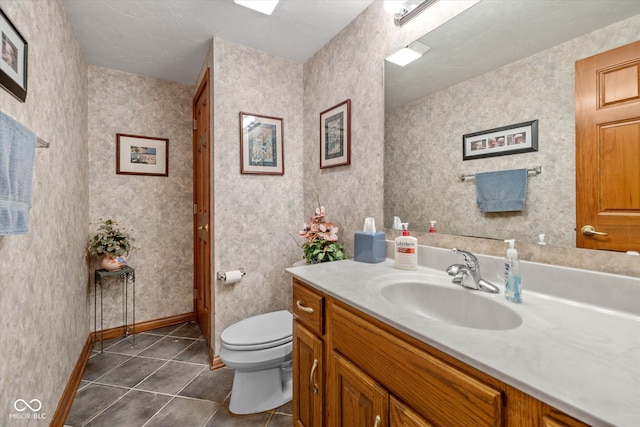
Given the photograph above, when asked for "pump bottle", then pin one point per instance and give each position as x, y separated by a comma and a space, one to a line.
406, 253
512, 279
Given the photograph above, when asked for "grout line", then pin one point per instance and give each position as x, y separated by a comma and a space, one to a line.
158, 411
129, 390
173, 396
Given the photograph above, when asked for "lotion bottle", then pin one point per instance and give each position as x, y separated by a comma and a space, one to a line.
406, 253
512, 279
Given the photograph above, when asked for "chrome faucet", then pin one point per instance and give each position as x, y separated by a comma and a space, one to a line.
469, 275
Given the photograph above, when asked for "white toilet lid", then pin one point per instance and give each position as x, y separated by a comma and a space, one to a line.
258, 332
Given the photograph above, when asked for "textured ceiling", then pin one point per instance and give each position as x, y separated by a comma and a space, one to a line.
168, 39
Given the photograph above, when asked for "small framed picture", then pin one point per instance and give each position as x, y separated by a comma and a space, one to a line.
512, 139
261, 144
13, 62
142, 155
335, 135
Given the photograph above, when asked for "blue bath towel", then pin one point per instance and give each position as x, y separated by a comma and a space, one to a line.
17, 150
502, 191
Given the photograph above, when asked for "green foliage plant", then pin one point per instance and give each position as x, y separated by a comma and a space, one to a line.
111, 240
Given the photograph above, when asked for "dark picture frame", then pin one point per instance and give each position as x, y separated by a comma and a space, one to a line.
261, 144
142, 155
14, 59
335, 135
512, 139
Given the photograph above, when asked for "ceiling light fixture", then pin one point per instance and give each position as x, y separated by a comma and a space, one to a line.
408, 54
263, 6
406, 10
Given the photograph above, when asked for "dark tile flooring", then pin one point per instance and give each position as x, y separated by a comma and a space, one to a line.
164, 380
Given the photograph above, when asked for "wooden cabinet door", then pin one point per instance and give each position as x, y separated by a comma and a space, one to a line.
357, 400
400, 415
308, 377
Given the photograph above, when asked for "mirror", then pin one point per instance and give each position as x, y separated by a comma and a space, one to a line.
497, 64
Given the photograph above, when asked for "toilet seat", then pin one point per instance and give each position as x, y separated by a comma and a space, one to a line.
259, 332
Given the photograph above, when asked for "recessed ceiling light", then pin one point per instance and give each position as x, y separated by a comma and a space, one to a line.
263, 6
408, 54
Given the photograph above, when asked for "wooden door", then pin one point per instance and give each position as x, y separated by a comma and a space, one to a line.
201, 198
358, 400
308, 377
608, 149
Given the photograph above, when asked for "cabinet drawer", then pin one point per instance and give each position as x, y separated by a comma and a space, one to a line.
439, 391
308, 306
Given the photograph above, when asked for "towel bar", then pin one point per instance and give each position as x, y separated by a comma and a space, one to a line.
463, 177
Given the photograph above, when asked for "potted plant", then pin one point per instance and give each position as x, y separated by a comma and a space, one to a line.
113, 243
322, 240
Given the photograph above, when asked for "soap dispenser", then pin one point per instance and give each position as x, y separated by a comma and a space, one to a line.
512, 279
406, 253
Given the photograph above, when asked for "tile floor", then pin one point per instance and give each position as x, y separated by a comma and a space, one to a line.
164, 380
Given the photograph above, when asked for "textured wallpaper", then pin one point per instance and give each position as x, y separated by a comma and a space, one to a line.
157, 210
348, 67
44, 304
423, 145
254, 214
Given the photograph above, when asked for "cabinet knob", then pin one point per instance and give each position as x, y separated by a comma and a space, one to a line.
377, 423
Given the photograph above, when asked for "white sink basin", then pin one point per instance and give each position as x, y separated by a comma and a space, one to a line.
452, 304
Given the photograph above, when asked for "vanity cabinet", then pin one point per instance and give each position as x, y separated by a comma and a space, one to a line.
308, 356
352, 370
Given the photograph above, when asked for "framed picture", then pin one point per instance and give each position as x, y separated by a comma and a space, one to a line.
142, 155
335, 135
13, 62
513, 139
261, 144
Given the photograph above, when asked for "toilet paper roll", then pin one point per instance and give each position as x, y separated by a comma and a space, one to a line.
232, 276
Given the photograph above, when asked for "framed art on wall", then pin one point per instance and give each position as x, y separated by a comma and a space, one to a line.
335, 135
261, 145
13, 62
512, 139
142, 155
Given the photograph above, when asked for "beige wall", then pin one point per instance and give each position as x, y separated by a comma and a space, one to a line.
157, 210
423, 156
348, 67
254, 214
44, 302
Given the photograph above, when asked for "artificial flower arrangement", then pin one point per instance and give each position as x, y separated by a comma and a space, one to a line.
113, 243
322, 240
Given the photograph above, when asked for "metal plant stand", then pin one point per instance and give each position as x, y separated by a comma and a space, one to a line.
129, 276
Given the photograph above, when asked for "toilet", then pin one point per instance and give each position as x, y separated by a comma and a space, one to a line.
259, 349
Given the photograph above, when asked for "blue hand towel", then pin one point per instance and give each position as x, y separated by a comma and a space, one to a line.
502, 191
17, 150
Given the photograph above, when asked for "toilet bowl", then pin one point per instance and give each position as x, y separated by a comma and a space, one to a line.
259, 349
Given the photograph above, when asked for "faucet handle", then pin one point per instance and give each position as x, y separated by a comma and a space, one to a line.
470, 259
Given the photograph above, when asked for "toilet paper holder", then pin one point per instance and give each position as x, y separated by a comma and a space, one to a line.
223, 275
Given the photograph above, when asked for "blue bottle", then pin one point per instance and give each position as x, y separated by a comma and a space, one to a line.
512, 279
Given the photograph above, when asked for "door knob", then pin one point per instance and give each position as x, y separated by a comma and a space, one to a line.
589, 230
204, 227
